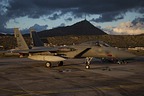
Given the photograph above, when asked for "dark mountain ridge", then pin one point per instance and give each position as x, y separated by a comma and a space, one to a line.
81, 28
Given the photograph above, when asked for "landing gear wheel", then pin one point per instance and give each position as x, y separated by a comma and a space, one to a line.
87, 67
122, 62
119, 62
125, 62
48, 64
60, 63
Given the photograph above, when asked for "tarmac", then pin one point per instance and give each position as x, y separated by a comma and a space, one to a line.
25, 77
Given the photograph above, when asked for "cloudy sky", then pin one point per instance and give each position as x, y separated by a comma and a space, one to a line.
112, 16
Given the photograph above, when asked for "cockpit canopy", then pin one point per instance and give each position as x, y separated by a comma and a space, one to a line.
95, 43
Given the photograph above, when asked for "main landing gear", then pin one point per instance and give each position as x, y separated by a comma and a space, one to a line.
122, 62
49, 65
88, 60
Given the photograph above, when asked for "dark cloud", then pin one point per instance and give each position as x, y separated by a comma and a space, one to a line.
36, 27
108, 9
107, 17
138, 20
54, 17
62, 25
39, 27
37, 8
68, 19
3, 24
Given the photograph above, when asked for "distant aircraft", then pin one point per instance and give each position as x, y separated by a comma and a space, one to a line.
35, 53
90, 49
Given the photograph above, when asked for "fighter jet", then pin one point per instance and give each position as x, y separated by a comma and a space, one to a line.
90, 49
35, 53
96, 49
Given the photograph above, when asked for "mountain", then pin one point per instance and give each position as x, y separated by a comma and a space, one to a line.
2, 34
81, 28
5, 34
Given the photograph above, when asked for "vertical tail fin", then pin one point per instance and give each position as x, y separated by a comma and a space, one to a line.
36, 41
20, 40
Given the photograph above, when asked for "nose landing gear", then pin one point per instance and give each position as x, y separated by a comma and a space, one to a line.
88, 60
